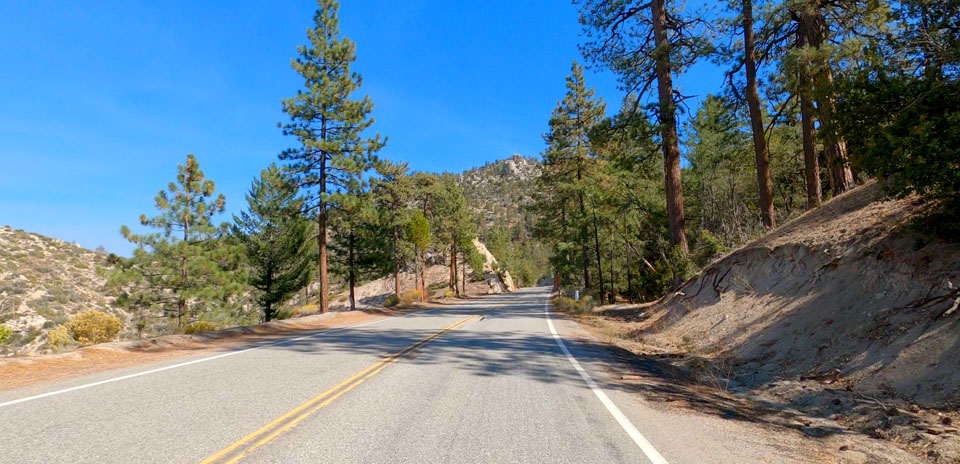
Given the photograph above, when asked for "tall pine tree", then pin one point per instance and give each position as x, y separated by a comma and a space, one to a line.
570, 170
619, 39
327, 124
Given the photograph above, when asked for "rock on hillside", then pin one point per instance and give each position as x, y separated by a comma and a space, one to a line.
846, 292
44, 281
499, 190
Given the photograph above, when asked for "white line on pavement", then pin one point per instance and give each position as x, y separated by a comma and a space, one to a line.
652, 454
195, 361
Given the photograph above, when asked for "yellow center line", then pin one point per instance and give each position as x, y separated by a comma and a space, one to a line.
324, 398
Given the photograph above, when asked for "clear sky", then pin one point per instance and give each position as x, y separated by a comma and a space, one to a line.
99, 100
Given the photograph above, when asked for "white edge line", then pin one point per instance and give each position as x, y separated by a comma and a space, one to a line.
652, 454
195, 361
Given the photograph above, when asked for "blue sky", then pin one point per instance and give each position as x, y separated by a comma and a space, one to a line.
102, 99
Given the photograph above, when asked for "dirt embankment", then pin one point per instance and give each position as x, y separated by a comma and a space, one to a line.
843, 314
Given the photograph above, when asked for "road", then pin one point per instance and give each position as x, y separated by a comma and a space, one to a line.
481, 381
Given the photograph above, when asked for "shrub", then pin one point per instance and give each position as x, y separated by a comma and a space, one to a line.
285, 313
60, 338
93, 327
410, 296
391, 301
708, 248
5, 334
448, 294
585, 304
563, 303
199, 327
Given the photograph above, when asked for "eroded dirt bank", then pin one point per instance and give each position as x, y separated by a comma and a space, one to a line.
842, 323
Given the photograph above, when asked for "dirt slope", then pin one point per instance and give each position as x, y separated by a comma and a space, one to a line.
841, 325
845, 291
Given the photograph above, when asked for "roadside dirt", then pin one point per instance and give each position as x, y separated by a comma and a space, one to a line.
23, 371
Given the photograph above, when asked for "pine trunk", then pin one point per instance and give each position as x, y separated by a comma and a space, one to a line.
764, 182
835, 149
396, 262
452, 284
423, 276
811, 164
352, 273
587, 281
668, 129
596, 244
322, 228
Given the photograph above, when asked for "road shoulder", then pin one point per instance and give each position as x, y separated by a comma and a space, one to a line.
28, 371
689, 419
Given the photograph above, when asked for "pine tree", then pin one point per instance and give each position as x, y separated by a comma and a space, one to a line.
418, 234
274, 236
392, 192
571, 167
642, 59
452, 222
186, 270
359, 246
327, 124
752, 95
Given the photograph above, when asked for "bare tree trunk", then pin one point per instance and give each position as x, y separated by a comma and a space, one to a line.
352, 274
835, 149
811, 165
587, 281
423, 276
452, 284
764, 183
396, 262
596, 244
813, 27
322, 228
668, 129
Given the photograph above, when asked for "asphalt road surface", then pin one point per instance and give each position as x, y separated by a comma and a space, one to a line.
483, 381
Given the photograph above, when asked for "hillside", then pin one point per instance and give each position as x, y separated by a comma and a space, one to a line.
498, 190
833, 313
43, 281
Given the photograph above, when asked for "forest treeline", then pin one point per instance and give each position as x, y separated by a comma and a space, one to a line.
817, 97
331, 208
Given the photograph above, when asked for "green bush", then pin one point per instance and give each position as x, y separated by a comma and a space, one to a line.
585, 304
94, 327
563, 303
199, 327
5, 334
391, 301
708, 248
409, 297
60, 338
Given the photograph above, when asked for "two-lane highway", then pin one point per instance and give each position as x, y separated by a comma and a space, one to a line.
488, 380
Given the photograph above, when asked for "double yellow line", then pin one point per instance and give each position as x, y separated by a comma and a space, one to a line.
237, 451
